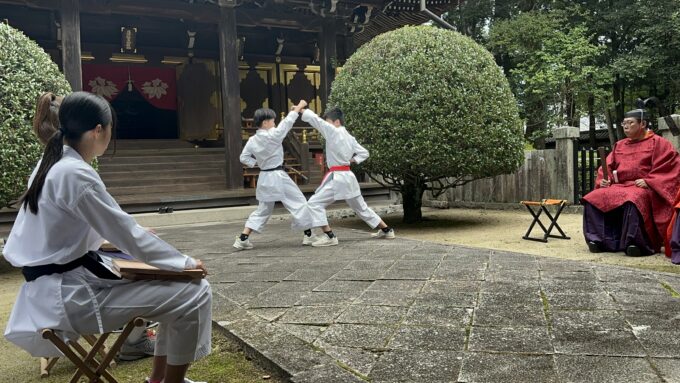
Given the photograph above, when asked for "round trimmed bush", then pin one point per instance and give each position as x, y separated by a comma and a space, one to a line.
26, 71
433, 109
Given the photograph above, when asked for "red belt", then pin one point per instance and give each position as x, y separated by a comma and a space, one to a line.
341, 168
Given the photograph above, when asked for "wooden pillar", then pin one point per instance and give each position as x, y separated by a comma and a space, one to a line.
231, 97
70, 43
328, 59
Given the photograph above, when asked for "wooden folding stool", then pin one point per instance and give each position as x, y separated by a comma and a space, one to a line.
542, 208
85, 361
46, 364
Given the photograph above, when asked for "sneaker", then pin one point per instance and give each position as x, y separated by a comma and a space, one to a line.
325, 241
185, 381
243, 245
382, 235
308, 241
142, 349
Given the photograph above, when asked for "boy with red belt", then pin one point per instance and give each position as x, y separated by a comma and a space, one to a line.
342, 149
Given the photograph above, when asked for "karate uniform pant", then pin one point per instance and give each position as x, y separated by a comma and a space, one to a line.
293, 200
617, 229
182, 308
325, 196
675, 241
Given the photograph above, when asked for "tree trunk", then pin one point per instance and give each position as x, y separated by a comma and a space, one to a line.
591, 121
412, 195
618, 108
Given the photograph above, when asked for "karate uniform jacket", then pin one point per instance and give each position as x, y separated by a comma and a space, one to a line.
75, 212
265, 150
341, 148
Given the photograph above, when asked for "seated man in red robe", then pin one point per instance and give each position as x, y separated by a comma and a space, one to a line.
631, 211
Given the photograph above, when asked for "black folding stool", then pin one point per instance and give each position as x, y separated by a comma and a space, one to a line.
542, 208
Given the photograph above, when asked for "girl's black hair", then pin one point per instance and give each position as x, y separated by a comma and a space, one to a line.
262, 115
334, 114
79, 112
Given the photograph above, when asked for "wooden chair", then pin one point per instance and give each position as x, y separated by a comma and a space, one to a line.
541, 207
84, 360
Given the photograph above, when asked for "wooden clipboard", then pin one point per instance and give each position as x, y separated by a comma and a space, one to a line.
136, 270
603, 163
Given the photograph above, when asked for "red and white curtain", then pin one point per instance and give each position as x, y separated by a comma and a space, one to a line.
157, 84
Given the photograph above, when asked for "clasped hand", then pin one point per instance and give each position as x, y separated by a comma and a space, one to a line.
639, 183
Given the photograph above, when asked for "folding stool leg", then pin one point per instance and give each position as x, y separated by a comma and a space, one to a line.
91, 339
46, 365
554, 224
88, 358
73, 357
536, 220
119, 343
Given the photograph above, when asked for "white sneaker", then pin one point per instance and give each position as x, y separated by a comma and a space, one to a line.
243, 245
325, 241
382, 235
307, 241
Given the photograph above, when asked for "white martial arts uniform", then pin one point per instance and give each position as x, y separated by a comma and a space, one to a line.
265, 150
74, 213
341, 148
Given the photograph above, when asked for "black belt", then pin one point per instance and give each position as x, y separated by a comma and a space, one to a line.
90, 261
280, 167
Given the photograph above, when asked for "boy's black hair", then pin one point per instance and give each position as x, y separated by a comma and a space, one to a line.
334, 114
261, 115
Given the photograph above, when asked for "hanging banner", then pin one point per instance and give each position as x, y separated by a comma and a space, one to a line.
105, 80
157, 84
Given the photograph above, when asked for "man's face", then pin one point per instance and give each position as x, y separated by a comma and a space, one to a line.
632, 127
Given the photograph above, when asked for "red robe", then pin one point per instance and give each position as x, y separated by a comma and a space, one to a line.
654, 160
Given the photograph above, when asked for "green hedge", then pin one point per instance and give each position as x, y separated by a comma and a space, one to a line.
26, 71
428, 102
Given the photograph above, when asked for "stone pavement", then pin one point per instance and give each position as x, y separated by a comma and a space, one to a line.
411, 311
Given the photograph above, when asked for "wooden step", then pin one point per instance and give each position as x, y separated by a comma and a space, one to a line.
106, 168
168, 172
161, 158
160, 179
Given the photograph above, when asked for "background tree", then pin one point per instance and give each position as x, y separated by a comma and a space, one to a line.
26, 71
552, 69
434, 110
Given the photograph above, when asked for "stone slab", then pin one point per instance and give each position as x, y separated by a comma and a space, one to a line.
417, 366
603, 369
362, 314
535, 340
507, 368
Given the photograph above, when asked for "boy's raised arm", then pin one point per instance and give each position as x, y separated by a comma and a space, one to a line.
286, 124
317, 122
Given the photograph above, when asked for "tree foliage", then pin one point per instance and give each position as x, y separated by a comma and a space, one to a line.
624, 49
26, 71
434, 110
552, 69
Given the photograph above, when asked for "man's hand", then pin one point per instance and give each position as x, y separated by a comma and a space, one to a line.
605, 183
301, 105
200, 265
641, 183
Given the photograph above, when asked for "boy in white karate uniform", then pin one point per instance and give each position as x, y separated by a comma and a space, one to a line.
53, 240
342, 149
265, 150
